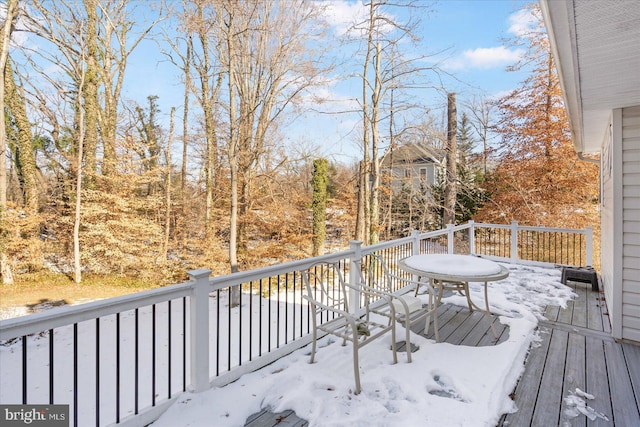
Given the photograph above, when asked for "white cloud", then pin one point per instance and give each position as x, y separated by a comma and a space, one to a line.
522, 22
347, 17
485, 58
342, 15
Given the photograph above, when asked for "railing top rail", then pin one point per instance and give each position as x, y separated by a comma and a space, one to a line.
67, 315
435, 233
532, 228
459, 227
366, 250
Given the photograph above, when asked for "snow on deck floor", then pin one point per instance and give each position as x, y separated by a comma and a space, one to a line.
445, 385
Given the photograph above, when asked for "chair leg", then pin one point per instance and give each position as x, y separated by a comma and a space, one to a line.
356, 367
407, 342
466, 293
393, 344
488, 311
432, 312
313, 345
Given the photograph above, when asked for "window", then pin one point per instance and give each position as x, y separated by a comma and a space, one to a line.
427, 175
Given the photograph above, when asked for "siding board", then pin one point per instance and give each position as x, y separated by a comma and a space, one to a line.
630, 222
631, 310
631, 322
631, 251
632, 226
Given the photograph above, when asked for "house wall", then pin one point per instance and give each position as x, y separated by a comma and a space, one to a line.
610, 155
631, 223
410, 174
620, 222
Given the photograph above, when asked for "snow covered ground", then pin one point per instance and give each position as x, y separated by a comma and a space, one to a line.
447, 385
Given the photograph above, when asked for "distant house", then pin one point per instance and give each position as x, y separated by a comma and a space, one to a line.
596, 45
417, 165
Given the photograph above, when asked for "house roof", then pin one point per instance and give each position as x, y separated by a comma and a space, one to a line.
413, 153
596, 45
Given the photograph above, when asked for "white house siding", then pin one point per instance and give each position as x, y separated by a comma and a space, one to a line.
631, 223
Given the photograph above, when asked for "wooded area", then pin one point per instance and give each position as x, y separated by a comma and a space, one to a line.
93, 183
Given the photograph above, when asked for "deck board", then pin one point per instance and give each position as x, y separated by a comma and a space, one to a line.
632, 357
624, 406
596, 370
575, 351
575, 373
547, 410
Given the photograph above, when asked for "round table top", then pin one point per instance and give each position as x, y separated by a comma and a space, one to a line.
454, 267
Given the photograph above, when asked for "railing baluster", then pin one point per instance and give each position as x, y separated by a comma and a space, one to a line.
153, 355
260, 318
286, 308
218, 332
24, 369
229, 296
117, 367
239, 326
269, 316
250, 320
135, 362
98, 372
293, 310
75, 374
169, 349
51, 370
278, 311
184, 344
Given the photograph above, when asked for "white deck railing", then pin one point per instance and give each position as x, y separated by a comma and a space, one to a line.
124, 360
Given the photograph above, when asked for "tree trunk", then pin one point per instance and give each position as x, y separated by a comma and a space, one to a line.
185, 142
374, 214
319, 205
90, 93
207, 99
76, 224
450, 191
185, 120
363, 183
167, 189
362, 217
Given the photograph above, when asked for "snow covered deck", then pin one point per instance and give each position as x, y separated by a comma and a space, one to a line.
576, 352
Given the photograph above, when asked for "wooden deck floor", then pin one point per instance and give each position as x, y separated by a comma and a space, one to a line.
576, 352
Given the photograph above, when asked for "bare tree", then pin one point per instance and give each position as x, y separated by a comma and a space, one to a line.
385, 70
481, 111
450, 190
265, 53
115, 44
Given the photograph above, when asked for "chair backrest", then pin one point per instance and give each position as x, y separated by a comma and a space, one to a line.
376, 274
325, 284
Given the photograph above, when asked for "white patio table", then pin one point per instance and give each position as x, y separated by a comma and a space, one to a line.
454, 272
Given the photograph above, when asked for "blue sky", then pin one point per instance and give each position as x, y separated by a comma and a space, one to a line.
471, 34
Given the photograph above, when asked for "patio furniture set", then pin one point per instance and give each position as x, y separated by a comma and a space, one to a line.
335, 311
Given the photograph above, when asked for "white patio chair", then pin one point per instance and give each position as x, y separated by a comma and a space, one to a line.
409, 309
328, 294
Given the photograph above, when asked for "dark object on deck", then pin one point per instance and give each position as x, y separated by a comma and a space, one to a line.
581, 274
